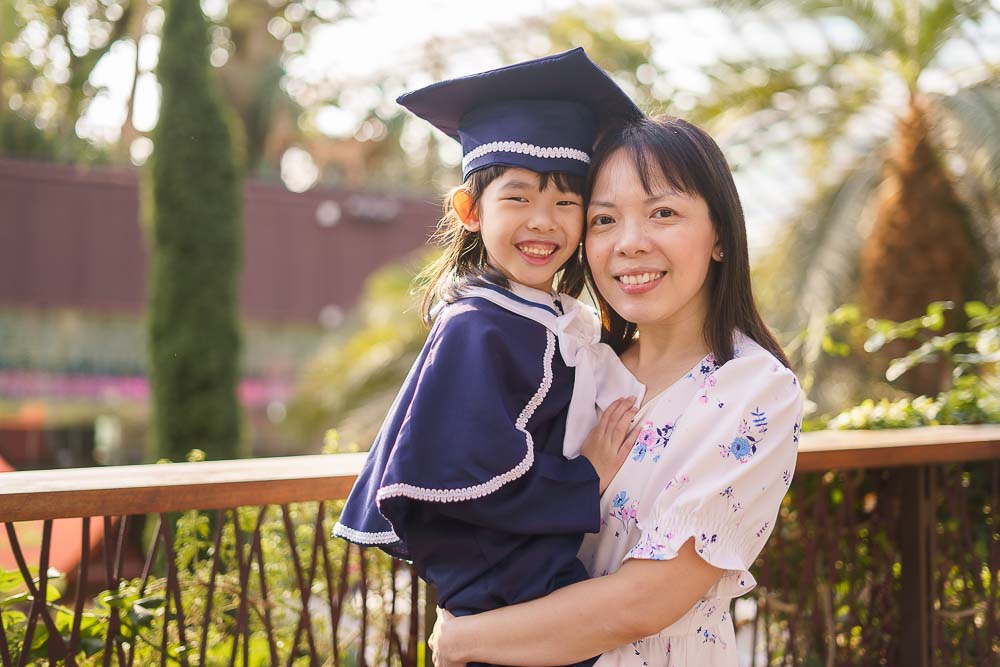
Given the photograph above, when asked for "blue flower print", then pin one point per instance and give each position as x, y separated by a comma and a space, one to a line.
740, 448
638, 452
649, 549
626, 514
751, 435
709, 637
730, 496
652, 439
619, 500
704, 544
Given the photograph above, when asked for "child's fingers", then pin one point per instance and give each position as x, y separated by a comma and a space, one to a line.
610, 417
626, 444
620, 429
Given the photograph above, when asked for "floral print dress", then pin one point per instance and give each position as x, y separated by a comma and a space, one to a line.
713, 461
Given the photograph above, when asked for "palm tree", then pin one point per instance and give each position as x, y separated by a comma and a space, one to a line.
906, 210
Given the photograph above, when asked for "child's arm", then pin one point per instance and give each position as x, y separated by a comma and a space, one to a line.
460, 434
579, 621
557, 495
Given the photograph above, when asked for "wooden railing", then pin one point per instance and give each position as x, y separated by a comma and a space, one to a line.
917, 479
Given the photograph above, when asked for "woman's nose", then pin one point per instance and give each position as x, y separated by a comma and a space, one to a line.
632, 239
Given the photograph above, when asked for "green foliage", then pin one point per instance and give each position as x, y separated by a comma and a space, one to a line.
46, 79
352, 380
840, 533
143, 611
194, 338
20, 138
49, 51
972, 354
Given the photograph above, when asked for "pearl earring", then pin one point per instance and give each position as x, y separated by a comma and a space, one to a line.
722, 255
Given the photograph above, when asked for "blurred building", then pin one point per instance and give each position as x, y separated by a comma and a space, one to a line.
73, 261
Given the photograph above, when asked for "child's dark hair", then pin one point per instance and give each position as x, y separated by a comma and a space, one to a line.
464, 262
691, 162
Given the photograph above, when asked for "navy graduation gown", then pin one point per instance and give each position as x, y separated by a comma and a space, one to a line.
466, 477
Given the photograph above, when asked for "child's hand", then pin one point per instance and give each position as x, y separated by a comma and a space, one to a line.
609, 443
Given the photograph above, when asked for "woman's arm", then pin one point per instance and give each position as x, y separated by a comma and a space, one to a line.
582, 620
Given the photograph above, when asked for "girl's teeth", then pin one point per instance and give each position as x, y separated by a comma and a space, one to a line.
537, 252
640, 279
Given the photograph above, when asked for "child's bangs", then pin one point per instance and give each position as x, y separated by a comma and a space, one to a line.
571, 183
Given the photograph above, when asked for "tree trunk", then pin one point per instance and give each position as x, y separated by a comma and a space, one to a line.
919, 249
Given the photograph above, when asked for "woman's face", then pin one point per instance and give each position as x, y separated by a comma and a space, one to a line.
649, 252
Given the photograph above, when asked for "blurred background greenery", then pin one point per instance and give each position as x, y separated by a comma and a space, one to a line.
864, 135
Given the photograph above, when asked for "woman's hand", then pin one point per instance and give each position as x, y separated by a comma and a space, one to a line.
610, 441
440, 638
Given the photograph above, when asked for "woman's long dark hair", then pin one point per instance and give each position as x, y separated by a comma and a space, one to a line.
463, 261
690, 161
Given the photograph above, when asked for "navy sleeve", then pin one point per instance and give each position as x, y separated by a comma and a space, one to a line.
557, 495
463, 440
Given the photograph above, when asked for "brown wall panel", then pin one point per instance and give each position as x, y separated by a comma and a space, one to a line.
70, 237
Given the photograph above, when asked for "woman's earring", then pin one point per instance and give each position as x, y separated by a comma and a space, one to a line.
722, 255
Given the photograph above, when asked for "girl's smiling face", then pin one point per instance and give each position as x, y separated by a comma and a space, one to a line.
649, 252
528, 232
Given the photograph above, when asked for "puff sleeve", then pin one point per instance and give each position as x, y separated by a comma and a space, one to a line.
734, 448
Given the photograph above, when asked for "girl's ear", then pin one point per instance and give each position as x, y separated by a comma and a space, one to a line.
461, 201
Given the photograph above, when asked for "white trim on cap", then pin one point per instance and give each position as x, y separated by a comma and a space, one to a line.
563, 152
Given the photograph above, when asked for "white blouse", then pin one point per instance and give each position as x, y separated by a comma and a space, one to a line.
713, 461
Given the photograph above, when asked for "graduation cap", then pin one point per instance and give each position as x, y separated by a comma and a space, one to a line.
542, 114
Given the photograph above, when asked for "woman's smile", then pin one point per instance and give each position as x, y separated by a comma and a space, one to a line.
639, 281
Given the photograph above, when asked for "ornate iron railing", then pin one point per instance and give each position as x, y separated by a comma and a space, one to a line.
887, 552
256, 581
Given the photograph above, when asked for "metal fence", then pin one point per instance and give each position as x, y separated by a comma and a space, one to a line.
887, 552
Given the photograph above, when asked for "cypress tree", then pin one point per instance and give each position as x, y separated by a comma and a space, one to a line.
193, 326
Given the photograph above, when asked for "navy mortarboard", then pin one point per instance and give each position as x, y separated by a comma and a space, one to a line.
542, 114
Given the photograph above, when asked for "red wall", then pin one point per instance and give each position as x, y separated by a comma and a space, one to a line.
70, 237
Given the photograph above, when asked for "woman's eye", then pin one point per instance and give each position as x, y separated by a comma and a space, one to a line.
599, 220
663, 213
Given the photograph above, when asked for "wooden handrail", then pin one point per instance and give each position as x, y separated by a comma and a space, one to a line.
829, 450
174, 487
142, 489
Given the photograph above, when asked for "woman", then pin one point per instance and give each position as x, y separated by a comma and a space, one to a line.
693, 505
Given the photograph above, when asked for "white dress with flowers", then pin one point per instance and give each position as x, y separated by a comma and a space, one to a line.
714, 459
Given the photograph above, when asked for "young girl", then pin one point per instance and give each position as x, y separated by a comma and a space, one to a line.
467, 477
